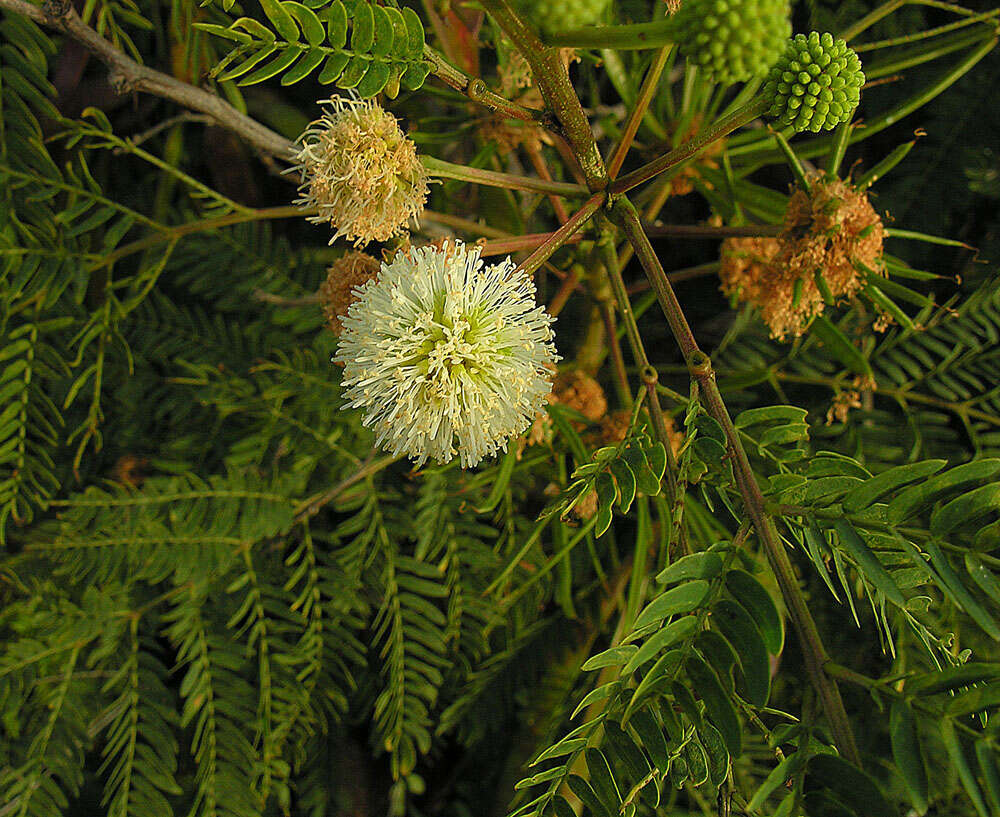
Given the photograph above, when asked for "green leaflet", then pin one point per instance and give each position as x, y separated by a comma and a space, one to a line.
960, 762
874, 489
956, 480
741, 632
852, 786
703, 565
717, 703
758, 603
660, 640
868, 562
907, 753
682, 599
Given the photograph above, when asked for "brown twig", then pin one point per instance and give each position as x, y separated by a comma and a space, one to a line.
553, 82
127, 75
707, 231
278, 300
370, 466
563, 234
646, 92
700, 368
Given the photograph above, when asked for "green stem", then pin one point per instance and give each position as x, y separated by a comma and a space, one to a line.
563, 234
648, 374
553, 82
700, 368
691, 148
447, 170
181, 230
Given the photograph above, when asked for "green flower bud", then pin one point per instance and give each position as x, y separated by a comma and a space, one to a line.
732, 40
552, 16
815, 84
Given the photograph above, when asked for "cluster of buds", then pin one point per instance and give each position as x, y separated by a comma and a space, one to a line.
732, 40
815, 83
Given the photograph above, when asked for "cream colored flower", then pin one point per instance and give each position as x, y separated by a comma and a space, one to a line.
360, 172
446, 355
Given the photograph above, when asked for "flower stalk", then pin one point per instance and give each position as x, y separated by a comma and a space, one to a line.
700, 368
492, 178
553, 82
742, 116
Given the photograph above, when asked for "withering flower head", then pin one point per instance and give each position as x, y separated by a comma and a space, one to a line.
446, 355
338, 291
832, 235
360, 172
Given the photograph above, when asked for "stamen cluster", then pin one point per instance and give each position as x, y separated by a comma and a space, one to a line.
360, 172
446, 355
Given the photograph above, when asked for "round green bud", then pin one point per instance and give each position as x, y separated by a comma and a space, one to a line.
815, 84
732, 40
552, 16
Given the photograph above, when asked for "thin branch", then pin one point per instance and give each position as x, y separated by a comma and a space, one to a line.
127, 75
370, 466
448, 170
707, 231
563, 234
700, 368
477, 90
649, 86
691, 148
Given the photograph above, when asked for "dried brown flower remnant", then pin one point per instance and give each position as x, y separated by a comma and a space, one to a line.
336, 293
579, 391
586, 507
844, 401
130, 470
831, 232
360, 172
574, 389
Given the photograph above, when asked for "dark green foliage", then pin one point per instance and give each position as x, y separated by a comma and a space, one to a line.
217, 600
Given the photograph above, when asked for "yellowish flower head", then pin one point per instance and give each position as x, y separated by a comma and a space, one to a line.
360, 172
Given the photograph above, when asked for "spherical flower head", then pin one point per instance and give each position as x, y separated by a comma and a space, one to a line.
558, 15
446, 355
360, 172
815, 84
339, 290
732, 40
831, 231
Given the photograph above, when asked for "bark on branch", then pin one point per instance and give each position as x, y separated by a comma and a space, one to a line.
128, 75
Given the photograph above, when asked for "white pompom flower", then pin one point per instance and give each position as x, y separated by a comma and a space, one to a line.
446, 355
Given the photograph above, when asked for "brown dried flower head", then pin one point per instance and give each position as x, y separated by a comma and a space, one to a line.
574, 389
360, 172
337, 292
579, 391
831, 232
